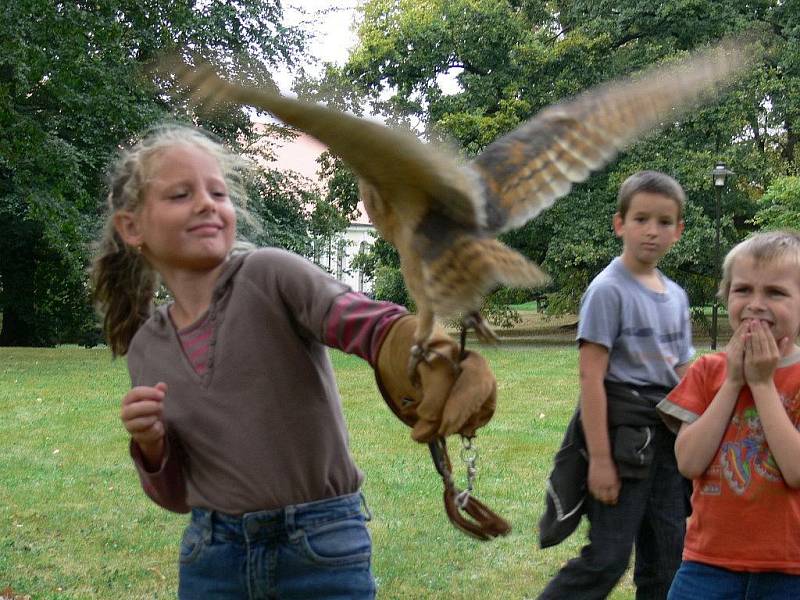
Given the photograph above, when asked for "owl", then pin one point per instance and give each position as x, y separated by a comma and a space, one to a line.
442, 213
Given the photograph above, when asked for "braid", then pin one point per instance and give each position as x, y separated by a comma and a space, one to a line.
124, 285
123, 282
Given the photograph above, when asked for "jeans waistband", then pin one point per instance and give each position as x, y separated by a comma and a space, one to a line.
281, 521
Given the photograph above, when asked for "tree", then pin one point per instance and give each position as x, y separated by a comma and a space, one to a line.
780, 205
511, 58
341, 187
279, 200
72, 88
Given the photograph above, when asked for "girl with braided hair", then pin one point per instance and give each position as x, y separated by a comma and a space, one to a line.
234, 413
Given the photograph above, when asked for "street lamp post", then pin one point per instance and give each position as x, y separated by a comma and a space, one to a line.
719, 174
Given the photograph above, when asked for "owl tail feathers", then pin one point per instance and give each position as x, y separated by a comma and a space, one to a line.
459, 280
510, 268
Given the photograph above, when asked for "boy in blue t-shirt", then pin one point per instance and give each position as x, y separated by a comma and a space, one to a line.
634, 338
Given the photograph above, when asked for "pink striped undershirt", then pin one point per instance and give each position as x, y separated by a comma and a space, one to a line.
195, 341
357, 325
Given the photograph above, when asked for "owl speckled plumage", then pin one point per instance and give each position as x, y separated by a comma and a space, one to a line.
443, 215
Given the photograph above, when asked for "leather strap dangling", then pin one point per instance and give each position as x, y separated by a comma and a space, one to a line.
480, 521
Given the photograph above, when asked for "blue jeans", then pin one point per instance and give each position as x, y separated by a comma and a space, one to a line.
315, 550
650, 513
698, 581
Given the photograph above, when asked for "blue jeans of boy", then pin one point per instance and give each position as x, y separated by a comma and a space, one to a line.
697, 581
314, 550
650, 514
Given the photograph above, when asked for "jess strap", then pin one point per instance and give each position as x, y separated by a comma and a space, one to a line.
464, 510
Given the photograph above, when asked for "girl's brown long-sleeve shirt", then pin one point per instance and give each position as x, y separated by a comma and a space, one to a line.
262, 428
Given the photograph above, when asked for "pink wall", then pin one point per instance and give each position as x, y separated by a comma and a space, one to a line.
300, 155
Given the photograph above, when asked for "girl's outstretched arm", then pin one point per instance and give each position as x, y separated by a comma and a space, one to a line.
382, 334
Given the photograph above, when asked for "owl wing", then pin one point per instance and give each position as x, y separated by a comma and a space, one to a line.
388, 159
524, 172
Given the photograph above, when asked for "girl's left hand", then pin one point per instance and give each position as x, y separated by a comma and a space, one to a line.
761, 354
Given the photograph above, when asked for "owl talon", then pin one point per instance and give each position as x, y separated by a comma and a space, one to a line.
421, 354
417, 356
482, 330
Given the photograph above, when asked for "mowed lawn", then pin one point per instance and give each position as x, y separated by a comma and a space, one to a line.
75, 524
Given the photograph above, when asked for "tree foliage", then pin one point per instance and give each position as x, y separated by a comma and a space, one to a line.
280, 201
72, 88
780, 205
341, 186
511, 58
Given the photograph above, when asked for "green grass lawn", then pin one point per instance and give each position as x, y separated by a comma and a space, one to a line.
75, 524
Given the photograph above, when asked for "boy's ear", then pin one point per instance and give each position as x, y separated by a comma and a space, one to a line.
127, 226
618, 223
679, 229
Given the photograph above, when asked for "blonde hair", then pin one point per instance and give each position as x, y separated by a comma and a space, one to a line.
764, 247
123, 282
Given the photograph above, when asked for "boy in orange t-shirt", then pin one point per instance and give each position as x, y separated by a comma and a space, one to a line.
739, 412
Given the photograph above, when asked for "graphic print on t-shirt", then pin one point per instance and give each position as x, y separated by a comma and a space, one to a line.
748, 454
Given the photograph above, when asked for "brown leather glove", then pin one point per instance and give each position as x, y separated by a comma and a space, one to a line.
454, 397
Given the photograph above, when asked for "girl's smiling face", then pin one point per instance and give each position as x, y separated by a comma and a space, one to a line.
187, 220
767, 291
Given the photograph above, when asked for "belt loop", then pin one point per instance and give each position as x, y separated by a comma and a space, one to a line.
367, 511
205, 520
289, 520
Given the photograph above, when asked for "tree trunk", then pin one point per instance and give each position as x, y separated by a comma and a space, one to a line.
791, 142
18, 262
14, 331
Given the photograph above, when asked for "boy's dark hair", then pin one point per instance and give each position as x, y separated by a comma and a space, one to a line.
653, 182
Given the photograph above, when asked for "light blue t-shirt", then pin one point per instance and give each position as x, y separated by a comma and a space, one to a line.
647, 333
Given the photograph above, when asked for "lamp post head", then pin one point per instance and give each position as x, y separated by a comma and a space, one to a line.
720, 174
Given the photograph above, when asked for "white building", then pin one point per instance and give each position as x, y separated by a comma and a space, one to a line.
357, 237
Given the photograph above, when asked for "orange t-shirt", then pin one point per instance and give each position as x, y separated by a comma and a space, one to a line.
744, 516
